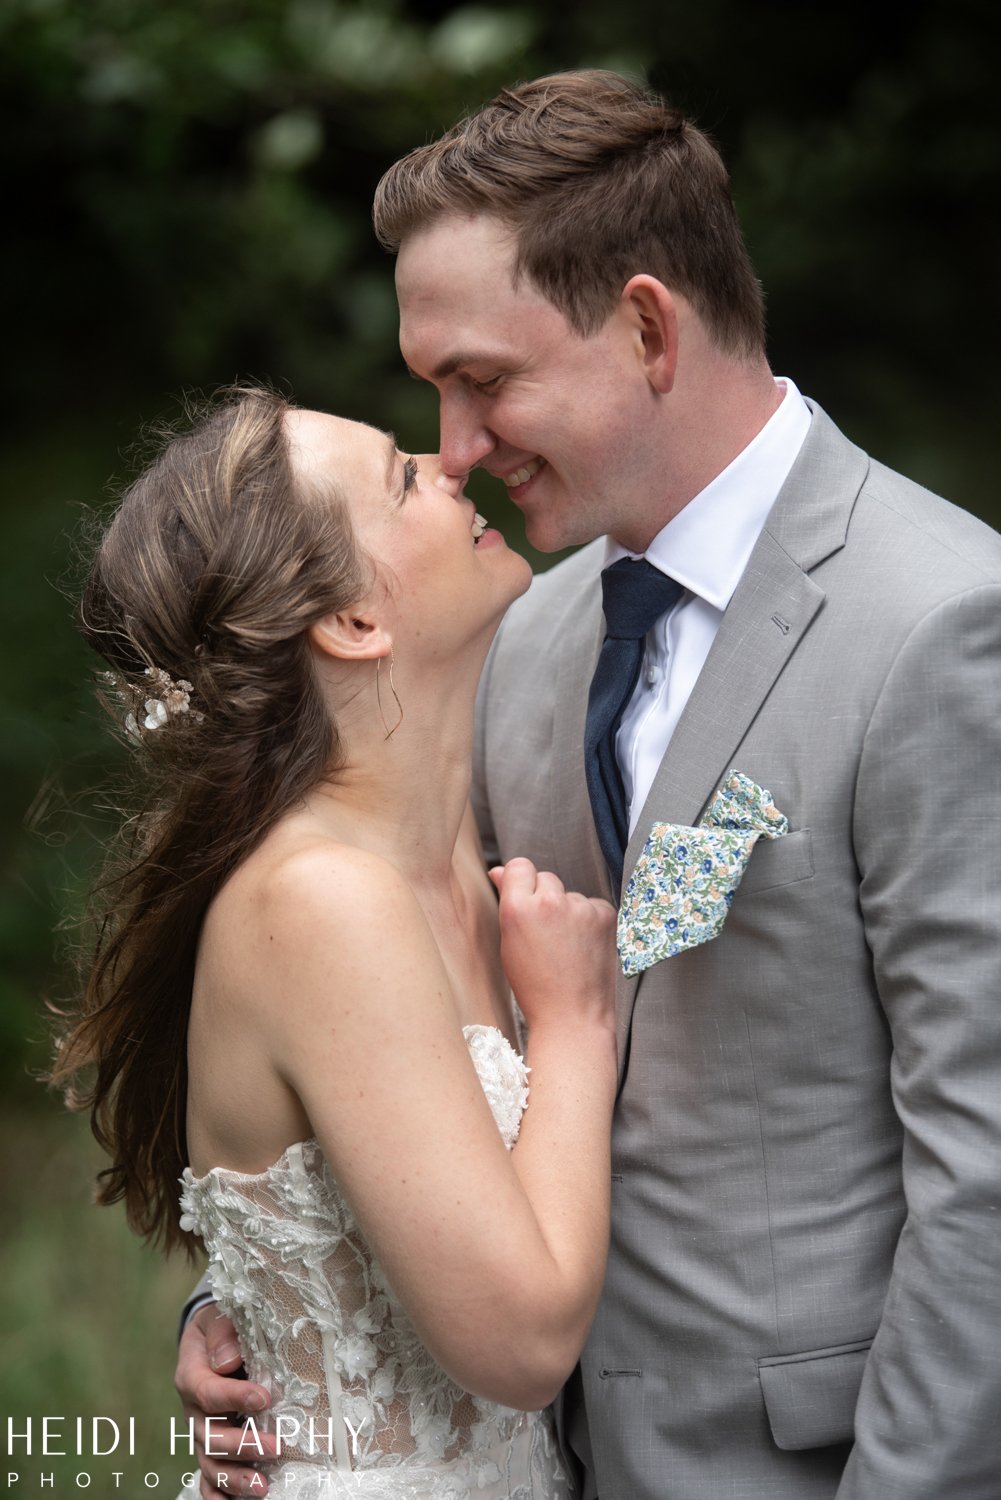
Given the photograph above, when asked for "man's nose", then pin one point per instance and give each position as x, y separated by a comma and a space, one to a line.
465, 441
432, 466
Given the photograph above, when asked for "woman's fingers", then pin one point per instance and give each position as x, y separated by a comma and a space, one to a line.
519, 879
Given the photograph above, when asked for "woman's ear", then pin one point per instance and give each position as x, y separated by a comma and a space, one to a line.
651, 309
350, 635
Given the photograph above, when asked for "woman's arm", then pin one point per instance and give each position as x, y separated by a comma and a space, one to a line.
498, 1258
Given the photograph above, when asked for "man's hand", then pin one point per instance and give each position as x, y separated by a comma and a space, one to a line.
207, 1358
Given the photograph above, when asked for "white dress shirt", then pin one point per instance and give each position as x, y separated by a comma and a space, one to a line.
705, 547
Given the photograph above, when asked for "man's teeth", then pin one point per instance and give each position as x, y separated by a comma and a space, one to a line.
520, 475
479, 526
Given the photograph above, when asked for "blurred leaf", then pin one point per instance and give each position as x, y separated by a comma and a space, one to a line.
474, 37
290, 140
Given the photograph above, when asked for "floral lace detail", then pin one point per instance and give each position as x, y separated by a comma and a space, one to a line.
504, 1077
362, 1408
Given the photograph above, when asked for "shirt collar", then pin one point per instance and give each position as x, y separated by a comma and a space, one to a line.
707, 544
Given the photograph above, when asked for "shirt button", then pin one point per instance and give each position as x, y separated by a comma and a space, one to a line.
652, 674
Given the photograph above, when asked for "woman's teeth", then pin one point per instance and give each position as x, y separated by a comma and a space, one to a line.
479, 527
524, 473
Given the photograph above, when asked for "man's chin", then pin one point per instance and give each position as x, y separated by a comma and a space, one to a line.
543, 530
545, 536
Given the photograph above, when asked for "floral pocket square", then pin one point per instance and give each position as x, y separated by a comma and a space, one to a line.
684, 881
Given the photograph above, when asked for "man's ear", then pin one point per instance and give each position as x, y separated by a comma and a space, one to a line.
350, 635
651, 310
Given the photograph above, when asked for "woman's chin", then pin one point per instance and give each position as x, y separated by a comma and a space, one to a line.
521, 570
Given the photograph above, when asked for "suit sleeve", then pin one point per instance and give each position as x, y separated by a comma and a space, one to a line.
928, 844
201, 1295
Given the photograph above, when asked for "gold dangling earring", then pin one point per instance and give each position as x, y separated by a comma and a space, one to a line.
392, 688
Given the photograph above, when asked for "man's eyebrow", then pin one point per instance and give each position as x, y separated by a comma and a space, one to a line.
454, 362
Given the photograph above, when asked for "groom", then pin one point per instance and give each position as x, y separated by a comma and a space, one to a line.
803, 1296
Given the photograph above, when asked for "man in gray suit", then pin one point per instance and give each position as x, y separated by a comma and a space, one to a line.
802, 1297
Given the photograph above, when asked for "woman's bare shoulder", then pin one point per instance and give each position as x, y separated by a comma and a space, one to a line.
304, 908
294, 876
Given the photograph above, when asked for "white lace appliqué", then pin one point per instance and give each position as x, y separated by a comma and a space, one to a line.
365, 1411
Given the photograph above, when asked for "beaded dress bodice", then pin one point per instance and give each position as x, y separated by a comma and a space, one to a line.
359, 1404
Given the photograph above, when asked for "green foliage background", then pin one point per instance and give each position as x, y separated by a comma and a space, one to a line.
186, 186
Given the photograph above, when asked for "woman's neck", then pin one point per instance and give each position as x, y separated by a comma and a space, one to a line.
402, 786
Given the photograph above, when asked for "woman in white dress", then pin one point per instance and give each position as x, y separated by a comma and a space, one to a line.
299, 1003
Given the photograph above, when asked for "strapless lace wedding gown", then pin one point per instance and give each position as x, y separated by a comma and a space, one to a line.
365, 1410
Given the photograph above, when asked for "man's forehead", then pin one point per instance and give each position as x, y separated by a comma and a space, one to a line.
461, 308
456, 259
481, 233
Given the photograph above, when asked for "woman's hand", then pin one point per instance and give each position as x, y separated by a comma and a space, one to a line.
557, 946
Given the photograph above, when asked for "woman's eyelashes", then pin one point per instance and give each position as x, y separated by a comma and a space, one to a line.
409, 474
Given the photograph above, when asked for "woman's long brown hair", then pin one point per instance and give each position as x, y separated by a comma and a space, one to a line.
213, 568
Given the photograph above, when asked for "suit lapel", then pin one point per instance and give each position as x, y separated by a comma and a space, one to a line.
764, 624
762, 627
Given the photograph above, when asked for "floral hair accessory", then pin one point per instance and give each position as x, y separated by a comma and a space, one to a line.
174, 698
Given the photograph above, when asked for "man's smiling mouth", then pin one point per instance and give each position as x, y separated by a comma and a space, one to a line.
520, 476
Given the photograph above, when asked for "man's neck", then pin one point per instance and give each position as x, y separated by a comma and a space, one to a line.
717, 408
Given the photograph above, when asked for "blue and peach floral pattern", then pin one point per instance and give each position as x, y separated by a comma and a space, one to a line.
680, 892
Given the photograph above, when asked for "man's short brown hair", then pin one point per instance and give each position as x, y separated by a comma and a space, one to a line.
601, 180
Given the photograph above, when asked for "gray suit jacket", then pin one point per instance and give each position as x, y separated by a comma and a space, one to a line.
803, 1295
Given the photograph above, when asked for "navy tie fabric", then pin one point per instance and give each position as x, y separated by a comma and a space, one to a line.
634, 595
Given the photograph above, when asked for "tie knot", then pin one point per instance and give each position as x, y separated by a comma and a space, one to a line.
633, 595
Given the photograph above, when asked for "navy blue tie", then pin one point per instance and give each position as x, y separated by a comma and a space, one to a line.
634, 595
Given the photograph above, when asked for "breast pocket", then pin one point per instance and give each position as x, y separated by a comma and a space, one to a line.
776, 862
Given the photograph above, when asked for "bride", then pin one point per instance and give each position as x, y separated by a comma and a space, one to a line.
299, 1003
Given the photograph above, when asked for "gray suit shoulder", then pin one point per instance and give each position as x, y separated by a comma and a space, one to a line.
841, 514
928, 530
